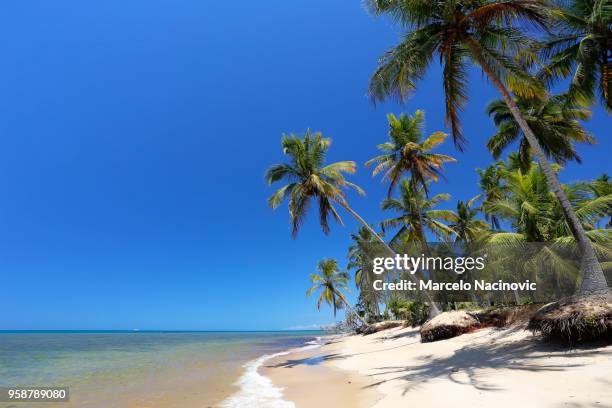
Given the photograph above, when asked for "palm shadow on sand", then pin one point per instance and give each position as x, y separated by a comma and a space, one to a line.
315, 360
462, 366
309, 361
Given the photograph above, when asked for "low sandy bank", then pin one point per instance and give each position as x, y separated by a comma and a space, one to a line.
487, 368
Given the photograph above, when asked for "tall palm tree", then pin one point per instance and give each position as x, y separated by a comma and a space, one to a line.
555, 124
581, 47
464, 224
407, 151
408, 219
330, 281
309, 179
489, 33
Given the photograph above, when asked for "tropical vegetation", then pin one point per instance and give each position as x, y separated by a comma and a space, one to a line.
524, 48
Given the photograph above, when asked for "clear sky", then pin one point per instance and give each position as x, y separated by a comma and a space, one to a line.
134, 137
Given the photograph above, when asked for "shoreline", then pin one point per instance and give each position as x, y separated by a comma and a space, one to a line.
487, 367
307, 378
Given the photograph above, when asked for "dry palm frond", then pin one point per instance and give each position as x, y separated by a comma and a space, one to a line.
575, 320
447, 325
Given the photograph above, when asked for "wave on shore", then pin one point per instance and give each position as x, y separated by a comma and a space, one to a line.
257, 390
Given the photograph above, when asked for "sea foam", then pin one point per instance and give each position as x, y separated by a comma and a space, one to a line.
258, 391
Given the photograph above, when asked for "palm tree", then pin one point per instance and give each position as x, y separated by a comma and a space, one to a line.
537, 217
592, 205
581, 47
408, 218
492, 185
360, 256
554, 122
408, 152
487, 33
330, 281
601, 187
464, 224
309, 179
527, 205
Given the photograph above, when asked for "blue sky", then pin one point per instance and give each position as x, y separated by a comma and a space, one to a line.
134, 140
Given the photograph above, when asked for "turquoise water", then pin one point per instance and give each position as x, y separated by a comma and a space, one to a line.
138, 368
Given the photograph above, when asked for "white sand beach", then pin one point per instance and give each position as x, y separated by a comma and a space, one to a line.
487, 368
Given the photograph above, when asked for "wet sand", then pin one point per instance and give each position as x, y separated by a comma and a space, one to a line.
309, 379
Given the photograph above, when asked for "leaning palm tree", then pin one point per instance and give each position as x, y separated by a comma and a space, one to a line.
554, 123
407, 151
408, 214
489, 33
581, 47
330, 281
309, 179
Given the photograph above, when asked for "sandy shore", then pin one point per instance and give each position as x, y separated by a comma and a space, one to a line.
310, 380
487, 368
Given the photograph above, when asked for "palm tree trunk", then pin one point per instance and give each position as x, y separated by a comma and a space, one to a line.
419, 213
434, 311
351, 310
593, 279
421, 233
374, 295
517, 298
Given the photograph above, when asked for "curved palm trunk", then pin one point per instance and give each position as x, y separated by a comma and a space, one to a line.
593, 279
350, 308
434, 310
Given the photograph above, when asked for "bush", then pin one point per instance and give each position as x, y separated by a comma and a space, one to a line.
414, 313
506, 315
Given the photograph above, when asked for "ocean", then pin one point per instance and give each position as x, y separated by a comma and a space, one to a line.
149, 369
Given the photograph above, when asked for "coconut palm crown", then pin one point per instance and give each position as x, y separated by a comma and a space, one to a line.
408, 151
330, 281
309, 179
491, 34
581, 48
555, 124
408, 218
464, 223
493, 187
455, 32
